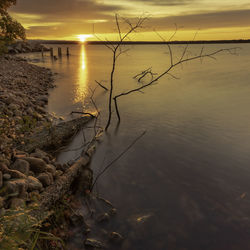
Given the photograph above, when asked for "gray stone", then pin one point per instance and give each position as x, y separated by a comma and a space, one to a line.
45, 179
22, 166
34, 184
16, 203
6, 176
36, 165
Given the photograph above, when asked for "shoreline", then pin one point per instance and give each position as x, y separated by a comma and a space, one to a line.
23, 98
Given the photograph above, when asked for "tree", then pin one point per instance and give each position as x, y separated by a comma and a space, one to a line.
10, 29
118, 48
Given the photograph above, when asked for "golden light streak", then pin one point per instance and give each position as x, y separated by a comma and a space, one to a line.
82, 89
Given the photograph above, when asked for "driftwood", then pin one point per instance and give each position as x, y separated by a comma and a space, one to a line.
51, 138
60, 187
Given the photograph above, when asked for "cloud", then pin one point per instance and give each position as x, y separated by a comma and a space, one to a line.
220, 19
166, 2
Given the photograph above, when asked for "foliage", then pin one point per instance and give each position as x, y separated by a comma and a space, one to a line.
20, 229
10, 29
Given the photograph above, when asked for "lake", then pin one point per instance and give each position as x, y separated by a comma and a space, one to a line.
186, 183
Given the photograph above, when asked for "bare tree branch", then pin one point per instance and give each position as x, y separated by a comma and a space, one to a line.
210, 55
116, 159
102, 86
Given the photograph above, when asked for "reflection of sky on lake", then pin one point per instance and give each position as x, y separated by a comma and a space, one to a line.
192, 166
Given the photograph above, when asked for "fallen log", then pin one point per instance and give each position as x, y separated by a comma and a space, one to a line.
61, 186
52, 138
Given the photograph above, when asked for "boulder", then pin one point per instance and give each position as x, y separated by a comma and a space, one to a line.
36, 165
22, 166
34, 184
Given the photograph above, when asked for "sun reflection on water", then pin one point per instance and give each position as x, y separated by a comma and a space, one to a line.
82, 88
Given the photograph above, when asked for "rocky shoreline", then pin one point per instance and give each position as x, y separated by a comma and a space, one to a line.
23, 95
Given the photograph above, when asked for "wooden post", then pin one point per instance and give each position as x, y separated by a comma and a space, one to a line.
42, 51
67, 51
51, 52
59, 52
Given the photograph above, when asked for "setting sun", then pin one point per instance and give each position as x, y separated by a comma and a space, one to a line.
83, 37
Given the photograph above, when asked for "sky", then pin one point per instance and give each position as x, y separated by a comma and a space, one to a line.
193, 19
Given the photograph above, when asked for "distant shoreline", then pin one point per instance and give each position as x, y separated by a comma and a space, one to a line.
146, 42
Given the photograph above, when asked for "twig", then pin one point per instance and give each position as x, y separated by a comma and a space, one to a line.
102, 86
116, 159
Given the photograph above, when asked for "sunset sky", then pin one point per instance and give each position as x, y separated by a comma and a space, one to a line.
67, 19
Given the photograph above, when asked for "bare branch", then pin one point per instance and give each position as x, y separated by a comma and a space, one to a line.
210, 55
102, 86
116, 159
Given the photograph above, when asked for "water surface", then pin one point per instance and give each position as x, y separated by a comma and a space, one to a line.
188, 178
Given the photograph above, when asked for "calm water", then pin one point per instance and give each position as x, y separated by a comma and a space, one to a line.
186, 183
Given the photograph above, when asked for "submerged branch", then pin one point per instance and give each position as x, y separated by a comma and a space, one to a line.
117, 158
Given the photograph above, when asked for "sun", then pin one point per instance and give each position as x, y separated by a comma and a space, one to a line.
83, 37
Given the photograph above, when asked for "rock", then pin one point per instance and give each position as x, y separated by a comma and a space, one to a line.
51, 169
16, 203
112, 211
115, 237
40, 110
89, 242
6, 176
13, 106
43, 98
3, 168
103, 217
22, 166
45, 179
34, 184
36, 165
16, 174
1, 202
58, 173
16, 187
1, 179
